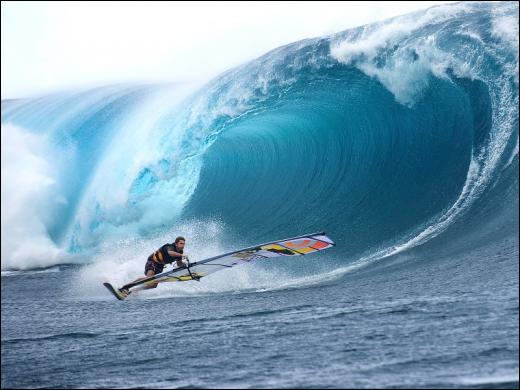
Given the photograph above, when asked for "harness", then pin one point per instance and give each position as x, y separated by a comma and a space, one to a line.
193, 277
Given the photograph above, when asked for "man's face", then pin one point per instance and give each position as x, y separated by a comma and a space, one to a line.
180, 244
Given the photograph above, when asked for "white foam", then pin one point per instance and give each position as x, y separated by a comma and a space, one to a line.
504, 377
28, 198
506, 29
473, 35
43, 271
514, 155
404, 77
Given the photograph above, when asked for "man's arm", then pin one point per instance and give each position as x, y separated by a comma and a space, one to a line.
174, 254
180, 263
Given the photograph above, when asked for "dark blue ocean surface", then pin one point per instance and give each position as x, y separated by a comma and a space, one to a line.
419, 322
398, 139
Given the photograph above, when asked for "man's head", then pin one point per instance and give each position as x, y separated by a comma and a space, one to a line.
179, 242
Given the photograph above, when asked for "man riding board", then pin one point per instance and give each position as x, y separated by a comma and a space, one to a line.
166, 254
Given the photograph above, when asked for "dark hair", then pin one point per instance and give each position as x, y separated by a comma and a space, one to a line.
179, 239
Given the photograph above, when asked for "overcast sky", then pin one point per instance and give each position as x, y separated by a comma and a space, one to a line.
49, 46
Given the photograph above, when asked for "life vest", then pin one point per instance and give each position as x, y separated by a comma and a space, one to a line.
161, 255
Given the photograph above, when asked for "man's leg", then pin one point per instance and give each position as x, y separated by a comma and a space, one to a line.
149, 273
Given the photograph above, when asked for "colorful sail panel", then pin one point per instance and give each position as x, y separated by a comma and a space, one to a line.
296, 246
